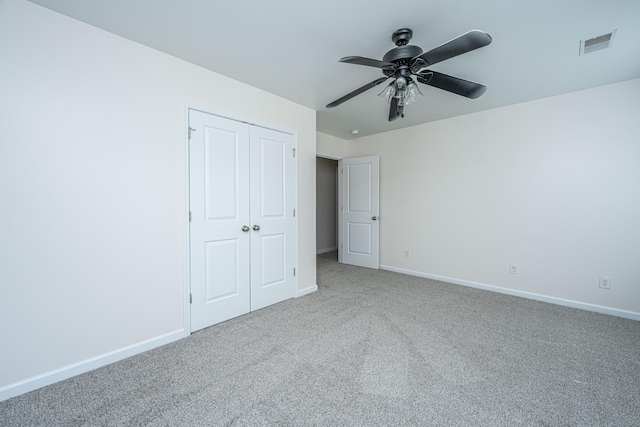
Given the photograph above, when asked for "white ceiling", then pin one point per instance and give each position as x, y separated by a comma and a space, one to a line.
291, 47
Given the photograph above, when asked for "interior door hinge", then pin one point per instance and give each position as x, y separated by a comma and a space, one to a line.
294, 212
189, 216
294, 271
191, 130
190, 299
294, 152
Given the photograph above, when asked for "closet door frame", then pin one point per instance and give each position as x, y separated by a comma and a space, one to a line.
186, 258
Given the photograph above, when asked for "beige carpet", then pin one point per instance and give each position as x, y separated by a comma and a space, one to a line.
369, 348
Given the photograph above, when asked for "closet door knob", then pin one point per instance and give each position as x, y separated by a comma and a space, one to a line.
374, 218
256, 228
245, 228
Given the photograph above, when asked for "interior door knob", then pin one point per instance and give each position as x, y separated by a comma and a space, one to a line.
374, 218
256, 228
245, 228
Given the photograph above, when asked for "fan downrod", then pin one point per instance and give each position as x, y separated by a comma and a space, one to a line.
402, 36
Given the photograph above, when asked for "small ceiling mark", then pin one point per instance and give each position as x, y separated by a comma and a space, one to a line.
597, 43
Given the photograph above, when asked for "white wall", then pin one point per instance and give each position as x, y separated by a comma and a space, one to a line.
330, 146
92, 191
551, 185
326, 205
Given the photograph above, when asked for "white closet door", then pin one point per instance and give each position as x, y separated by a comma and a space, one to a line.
360, 206
219, 204
272, 245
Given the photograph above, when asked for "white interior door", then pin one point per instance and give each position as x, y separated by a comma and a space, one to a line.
360, 231
219, 205
272, 217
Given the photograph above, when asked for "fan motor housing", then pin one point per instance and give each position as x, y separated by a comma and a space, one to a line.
400, 53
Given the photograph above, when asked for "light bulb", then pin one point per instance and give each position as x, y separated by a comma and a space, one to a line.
401, 83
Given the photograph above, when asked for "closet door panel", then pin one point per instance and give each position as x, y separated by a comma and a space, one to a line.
272, 275
219, 205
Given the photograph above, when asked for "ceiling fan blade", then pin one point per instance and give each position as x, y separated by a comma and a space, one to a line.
357, 92
396, 110
452, 84
359, 60
465, 43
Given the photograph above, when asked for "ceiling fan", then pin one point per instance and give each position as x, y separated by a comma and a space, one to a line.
406, 60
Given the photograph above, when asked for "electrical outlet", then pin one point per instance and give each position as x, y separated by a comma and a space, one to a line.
513, 269
605, 282
407, 253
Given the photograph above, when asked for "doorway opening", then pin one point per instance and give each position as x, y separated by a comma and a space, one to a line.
326, 205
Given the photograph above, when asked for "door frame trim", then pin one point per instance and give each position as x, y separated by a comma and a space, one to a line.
184, 162
340, 211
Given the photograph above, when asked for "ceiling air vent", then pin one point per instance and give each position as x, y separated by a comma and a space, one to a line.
597, 43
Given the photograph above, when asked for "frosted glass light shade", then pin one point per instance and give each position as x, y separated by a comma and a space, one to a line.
388, 92
412, 94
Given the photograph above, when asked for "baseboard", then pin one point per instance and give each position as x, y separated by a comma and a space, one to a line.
306, 291
538, 297
30, 384
324, 251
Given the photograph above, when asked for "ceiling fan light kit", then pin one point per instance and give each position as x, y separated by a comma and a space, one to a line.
406, 60
406, 93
